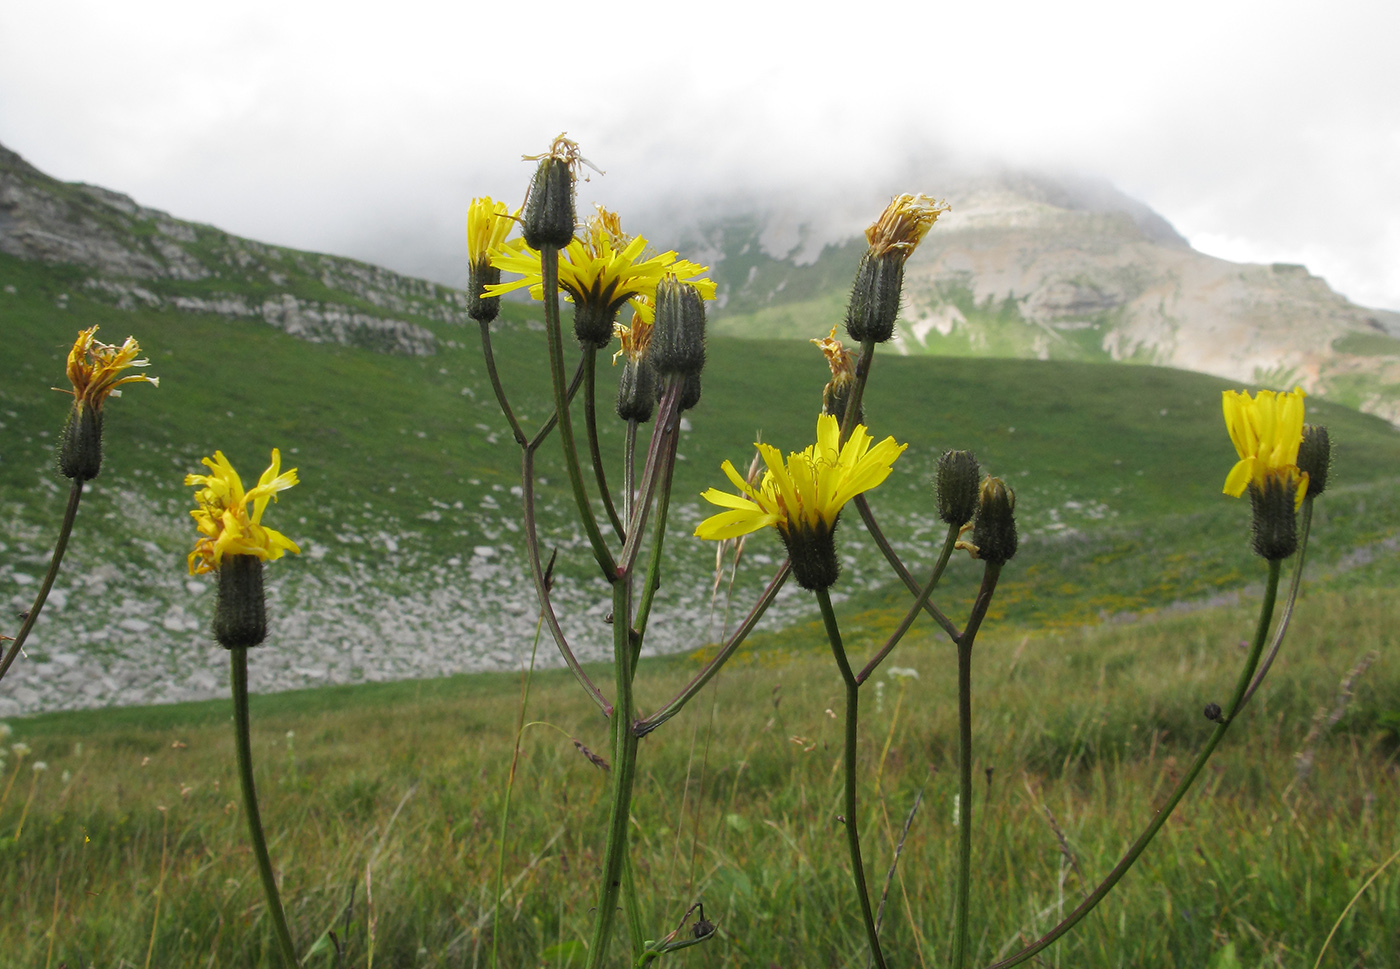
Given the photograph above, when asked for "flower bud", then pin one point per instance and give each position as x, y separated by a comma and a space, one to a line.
875, 297
812, 552
836, 396
957, 483
690, 392
240, 615
1213, 713
80, 445
678, 333
1315, 457
549, 210
994, 532
637, 391
480, 307
1275, 518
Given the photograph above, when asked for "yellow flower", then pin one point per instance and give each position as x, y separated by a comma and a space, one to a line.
904, 223
600, 271
635, 339
807, 493
1266, 430
224, 519
94, 369
488, 224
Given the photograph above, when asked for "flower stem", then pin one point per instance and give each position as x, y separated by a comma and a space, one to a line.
964, 644
549, 265
833, 633
238, 663
1287, 617
914, 610
1266, 612
623, 773
595, 454
70, 514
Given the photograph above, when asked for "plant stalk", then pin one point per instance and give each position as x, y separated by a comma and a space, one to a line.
238, 663
833, 633
70, 515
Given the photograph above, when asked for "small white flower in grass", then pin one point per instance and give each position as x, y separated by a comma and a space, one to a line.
39, 767
5, 731
20, 749
902, 673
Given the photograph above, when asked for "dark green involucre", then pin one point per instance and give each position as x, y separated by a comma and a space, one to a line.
1315, 457
80, 447
1275, 518
994, 531
875, 297
637, 390
480, 307
549, 210
957, 483
678, 334
240, 615
813, 555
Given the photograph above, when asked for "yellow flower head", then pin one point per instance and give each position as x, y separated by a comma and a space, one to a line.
230, 519
602, 270
94, 369
488, 224
1267, 430
903, 224
807, 493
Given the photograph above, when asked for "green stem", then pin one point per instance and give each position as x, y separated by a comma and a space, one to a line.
633, 908
891, 556
595, 453
70, 514
848, 419
549, 266
623, 773
1266, 612
964, 643
1287, 617
516, 431
919, 602
652, 582
833, 633
238, 663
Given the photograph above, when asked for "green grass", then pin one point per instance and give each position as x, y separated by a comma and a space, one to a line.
735, 806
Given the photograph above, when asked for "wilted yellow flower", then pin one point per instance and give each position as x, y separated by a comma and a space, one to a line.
904, 223
224, 517
94, 369
600, 271
1266, 430
634, 339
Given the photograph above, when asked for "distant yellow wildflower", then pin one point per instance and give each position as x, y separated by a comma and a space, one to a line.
1266, 430
224, 517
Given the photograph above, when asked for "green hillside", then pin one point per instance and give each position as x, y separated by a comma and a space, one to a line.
407, 520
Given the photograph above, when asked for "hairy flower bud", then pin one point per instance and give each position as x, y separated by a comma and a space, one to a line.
1315, 457
957, 483
240, 615
1275, 516
678, 334
994, 531
549, 208
80, 445
593, 323
637, 391
874, 301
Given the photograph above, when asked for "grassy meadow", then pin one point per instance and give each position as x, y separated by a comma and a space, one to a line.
383, 804
1118, 621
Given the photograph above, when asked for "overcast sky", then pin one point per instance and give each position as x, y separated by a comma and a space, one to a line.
1264, 131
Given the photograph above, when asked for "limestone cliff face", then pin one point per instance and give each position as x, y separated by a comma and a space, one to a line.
136, 256
1036, 266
